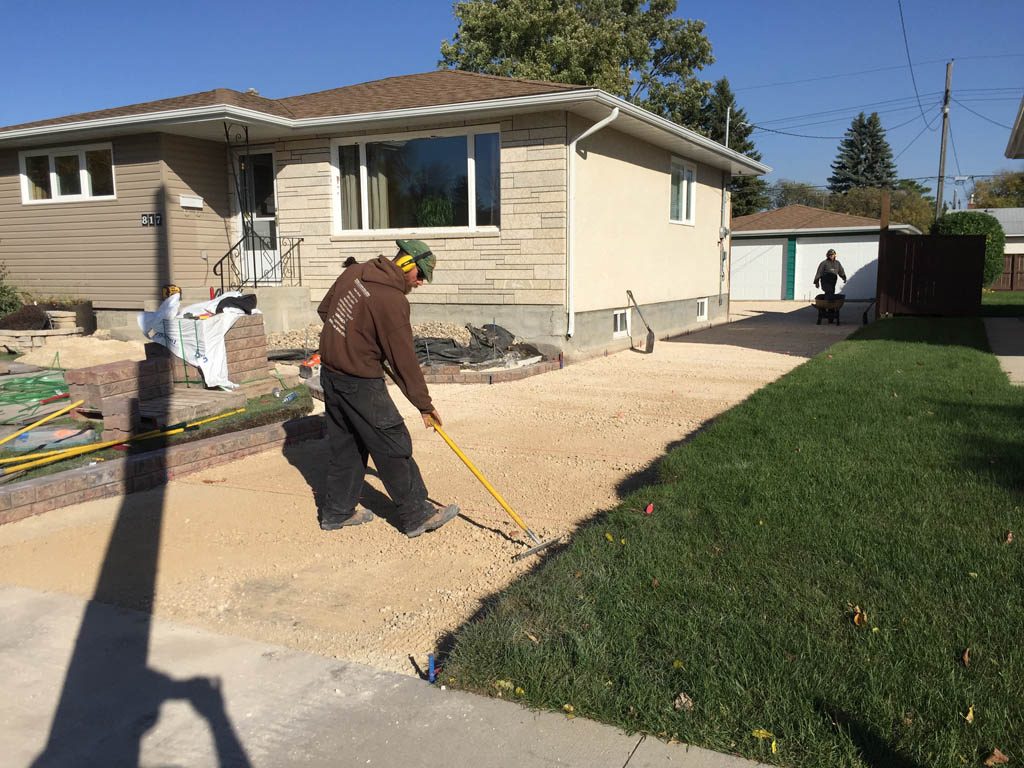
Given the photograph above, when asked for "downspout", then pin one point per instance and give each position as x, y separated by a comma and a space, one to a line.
723, 233
570, 219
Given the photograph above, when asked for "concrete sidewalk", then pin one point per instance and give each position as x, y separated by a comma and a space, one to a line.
128, 689
1006, 339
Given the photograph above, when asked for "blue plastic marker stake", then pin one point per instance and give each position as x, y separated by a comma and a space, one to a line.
431, 675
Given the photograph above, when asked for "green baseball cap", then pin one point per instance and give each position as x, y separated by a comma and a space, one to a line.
421, 255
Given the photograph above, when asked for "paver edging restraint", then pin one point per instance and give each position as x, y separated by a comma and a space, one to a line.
140, 472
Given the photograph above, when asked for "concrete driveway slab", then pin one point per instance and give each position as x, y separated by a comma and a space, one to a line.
157, 693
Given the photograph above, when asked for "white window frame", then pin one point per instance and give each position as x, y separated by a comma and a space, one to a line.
702, 309
627, 315
85, 180
365, 231
688, 196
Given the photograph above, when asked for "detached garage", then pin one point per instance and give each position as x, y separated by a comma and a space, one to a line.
775, 254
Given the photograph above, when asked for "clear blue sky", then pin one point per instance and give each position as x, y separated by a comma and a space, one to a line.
61, 57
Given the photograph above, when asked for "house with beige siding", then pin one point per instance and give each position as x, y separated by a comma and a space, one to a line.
544, 202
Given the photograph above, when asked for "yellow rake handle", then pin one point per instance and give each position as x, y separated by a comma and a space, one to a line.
43, 420
465, 460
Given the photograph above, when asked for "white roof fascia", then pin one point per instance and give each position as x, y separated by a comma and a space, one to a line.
1015, 146
823, 231
538, 101
178, 116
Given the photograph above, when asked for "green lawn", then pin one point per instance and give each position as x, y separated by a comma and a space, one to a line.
1002, 303
885, 475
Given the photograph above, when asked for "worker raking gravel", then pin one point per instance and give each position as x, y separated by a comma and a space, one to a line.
367, 324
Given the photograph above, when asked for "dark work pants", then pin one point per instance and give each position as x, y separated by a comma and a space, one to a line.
362, 421
828, 283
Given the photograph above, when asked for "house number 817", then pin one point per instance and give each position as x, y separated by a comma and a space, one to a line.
152, 219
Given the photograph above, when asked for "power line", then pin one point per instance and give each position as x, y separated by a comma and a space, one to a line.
927, 127
843, 118
798, 135
910, 64
858, 107
876, 69
989, 119
953, 142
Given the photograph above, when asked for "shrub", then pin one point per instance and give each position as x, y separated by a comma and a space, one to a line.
10, 298
977, 223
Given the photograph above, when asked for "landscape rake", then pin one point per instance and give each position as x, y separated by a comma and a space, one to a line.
538, 545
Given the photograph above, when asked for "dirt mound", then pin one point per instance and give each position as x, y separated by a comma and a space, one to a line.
83, 351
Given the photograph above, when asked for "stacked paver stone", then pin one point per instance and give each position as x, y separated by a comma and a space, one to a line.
115, 390
246, 348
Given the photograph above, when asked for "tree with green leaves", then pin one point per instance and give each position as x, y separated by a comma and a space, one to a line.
786, 192
629, 48
1004, 190
865, 157
977, 223
749, 193
906, 206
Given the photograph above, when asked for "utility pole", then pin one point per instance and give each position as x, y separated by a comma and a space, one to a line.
726, 177
945, 133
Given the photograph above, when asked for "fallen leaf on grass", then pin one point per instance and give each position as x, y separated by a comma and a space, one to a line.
655, 583
859, 616
965, 657
649, 509
677, 664
761, 733
775, 747
569, 708
503, 685
1008, 538
608, 536
969, 717
520, 691
534, 639
683, 703
996, 758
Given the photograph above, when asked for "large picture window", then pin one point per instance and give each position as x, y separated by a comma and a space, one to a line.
67, 174
410, 181
684, 190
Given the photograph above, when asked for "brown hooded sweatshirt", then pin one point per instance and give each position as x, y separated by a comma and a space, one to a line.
366, 321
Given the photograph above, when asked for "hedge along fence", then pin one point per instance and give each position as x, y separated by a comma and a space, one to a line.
977, 223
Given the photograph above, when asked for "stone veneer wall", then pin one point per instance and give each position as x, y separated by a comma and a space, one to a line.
516, 274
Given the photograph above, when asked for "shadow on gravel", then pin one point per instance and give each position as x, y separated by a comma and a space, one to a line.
782, 332
112, 695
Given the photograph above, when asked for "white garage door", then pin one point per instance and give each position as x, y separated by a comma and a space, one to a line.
857, 253
757, 270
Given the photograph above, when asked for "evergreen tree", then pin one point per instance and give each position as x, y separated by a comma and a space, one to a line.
865, 157
749, 193
629, 48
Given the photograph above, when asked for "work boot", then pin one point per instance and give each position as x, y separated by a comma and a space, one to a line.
360, 516
431, 520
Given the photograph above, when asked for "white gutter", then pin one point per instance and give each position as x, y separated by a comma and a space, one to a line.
736, 233
570, 236
539, 101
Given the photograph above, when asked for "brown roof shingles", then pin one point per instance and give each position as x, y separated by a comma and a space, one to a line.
795, 217
404, 92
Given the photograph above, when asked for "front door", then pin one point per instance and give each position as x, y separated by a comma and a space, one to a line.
261, 259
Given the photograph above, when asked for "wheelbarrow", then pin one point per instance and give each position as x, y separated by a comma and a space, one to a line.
828, 306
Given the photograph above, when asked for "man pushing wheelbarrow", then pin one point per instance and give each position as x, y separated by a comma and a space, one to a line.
828, 302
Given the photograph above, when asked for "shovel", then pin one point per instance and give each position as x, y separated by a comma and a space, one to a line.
649, 346
538, 545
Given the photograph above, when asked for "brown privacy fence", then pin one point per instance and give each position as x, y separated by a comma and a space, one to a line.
929, 274
1012, 278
